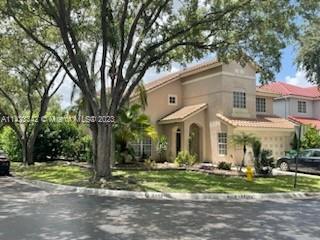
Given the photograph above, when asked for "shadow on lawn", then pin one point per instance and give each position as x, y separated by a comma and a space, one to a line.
29, 213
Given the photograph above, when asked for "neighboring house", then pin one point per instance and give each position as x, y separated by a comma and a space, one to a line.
298, 104
198, 109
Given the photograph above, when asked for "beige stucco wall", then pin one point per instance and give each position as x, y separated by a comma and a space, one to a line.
158, 106
269, 105
277, 140
214, 87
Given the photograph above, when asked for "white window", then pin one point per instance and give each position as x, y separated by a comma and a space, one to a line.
302, 107
239, 99
142, 148
172, 100
222, 143
260, 104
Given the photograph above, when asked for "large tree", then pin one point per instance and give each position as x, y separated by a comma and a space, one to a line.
308, 58
117, 41
27, 78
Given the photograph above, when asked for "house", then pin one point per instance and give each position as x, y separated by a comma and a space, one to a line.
300, 105
199, 108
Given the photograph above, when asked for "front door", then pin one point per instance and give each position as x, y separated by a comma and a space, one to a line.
178, 141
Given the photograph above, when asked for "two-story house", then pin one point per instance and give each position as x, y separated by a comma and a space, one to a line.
199, 108
301, 105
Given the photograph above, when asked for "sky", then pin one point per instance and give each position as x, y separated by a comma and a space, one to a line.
288, 73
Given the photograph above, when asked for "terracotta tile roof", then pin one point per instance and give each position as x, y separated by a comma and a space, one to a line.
183, 73
259, 122
289, 89
183, 113
306, 121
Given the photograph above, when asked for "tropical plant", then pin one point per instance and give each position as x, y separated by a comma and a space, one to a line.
162, 146
118, 41
184, 158
243, 139
265, 162
311, 138
132, 125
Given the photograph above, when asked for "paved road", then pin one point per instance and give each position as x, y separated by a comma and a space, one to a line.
28, 213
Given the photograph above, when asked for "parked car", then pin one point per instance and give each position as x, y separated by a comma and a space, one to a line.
307, 161
4, 164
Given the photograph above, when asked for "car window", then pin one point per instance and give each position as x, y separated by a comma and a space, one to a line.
305, 153
316, 154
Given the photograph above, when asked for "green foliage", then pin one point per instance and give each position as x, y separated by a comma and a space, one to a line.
243, 139
224, 166
131, 125
311, 138
309, 53
264, 163
294, 142
184, 158
256, 148
62, 139
162, 146
266, 158
10, 144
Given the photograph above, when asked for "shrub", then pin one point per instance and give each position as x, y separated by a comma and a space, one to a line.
224, 166
162, 146
10, 144
149, 164
266, 158
184, 158
311, 138
265, 162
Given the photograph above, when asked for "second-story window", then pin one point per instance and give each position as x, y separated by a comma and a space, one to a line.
239, 99
302, 107
261, 105
172, 100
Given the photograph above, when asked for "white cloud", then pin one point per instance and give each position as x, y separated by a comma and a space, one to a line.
298, 79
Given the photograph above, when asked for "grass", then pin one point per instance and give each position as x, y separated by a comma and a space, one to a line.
60, 174
168, 180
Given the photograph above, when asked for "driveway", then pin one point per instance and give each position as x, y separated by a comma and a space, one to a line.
30, 213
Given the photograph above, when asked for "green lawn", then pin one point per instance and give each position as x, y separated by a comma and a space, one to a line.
168, 180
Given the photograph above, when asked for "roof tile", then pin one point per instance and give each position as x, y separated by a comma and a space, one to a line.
306, 121
289, 89
183, 113
259, 122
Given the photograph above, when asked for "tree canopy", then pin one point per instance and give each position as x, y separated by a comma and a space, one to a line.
112, 43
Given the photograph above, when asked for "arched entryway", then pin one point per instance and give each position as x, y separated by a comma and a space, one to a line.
195, 140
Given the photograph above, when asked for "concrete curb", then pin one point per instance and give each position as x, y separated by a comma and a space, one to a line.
169, 196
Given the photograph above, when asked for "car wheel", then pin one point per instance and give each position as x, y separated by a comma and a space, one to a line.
284, 166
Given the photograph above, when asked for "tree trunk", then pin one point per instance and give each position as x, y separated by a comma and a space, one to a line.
102, 161
27, 153
244, 155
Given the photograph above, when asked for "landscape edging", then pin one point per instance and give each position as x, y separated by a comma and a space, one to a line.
169, 196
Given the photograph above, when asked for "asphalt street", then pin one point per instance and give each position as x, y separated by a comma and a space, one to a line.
29, 213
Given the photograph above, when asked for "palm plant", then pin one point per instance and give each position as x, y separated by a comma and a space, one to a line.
132, 125
243, 139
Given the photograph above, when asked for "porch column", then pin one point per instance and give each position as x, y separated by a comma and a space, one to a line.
185, 137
